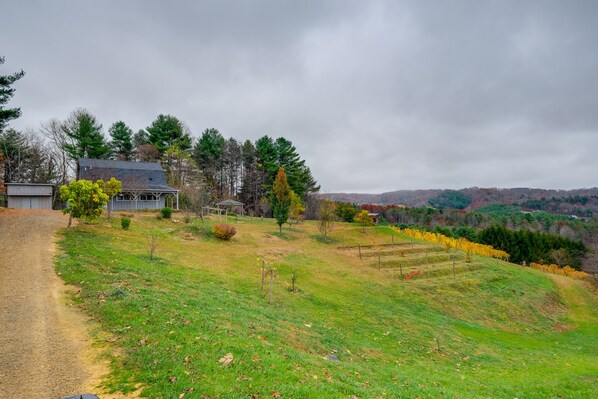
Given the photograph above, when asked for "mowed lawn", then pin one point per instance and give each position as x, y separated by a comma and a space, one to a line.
195, 322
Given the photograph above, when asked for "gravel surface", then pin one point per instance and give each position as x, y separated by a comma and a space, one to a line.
45, 351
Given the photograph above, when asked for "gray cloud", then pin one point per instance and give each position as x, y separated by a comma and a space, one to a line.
376, 96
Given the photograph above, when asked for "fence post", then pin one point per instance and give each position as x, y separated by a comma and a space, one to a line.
271, 285
379, 261
359, 246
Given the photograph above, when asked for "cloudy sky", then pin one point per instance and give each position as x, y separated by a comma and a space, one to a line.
376, 95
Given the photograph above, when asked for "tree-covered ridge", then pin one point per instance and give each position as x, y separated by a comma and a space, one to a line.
528, 246
451, 199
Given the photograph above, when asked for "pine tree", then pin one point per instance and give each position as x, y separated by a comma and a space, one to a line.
281, 153
208, 154
6, 92
122, 141
251, 178
167, 131
84, 136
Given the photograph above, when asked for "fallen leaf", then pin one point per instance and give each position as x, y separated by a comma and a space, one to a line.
226, 359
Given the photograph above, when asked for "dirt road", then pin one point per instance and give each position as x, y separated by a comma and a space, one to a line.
44, 349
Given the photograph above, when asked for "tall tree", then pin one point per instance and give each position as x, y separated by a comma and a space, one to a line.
281, 153
57, 139
122, 141
166, 131
6, 93
84, 136
251, 178
208, 154
139, 139
231, 165
281, 198
180, 167
15, 148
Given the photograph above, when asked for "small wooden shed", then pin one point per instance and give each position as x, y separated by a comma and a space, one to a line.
29, 195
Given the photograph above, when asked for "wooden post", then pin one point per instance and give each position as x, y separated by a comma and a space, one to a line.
293, 280
271, 285
379, 261
359, 246
401, 270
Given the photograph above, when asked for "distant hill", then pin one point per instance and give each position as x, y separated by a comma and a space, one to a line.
580, 202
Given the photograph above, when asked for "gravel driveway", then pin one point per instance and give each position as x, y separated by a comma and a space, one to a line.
44, 348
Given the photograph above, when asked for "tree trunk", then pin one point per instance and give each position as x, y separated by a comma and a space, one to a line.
70, 219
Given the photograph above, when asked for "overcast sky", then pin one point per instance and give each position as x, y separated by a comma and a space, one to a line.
376, 95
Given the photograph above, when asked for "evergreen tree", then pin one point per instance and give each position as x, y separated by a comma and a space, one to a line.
84, 136
6, 93
251, 179
208, 154
140, 138
281, 153
167, 131
122, 141
281, 198
232, 162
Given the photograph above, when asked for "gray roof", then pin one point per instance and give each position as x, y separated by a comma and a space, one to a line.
113, 164
135, 176
230, 202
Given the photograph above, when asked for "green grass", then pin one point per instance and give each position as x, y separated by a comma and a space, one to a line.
504, 331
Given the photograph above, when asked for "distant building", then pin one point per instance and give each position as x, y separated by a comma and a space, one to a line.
144, 183
375, 217
29, 195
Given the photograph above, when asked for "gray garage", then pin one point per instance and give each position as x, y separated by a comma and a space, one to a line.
29, 196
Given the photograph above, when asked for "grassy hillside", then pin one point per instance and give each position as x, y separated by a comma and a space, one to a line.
488, 330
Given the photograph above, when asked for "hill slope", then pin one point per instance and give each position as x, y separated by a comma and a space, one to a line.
195, 321
565, 202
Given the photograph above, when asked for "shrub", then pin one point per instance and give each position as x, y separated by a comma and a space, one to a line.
224, 231
166, 212
125, 222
